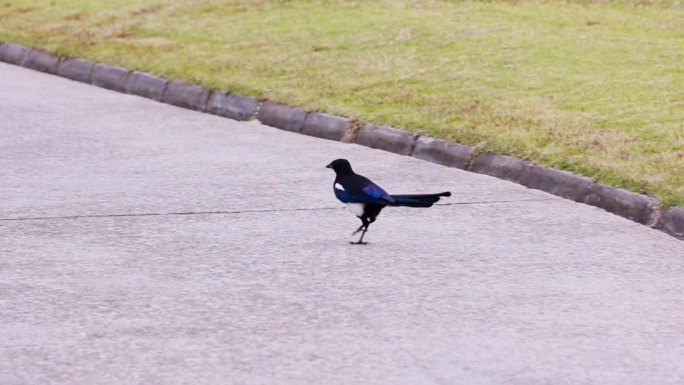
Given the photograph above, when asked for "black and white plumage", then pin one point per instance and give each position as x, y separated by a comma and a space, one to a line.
366, 199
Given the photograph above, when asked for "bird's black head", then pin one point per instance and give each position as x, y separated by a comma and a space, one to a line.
341, 167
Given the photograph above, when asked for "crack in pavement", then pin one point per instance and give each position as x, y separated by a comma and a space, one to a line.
86, 216
164, 214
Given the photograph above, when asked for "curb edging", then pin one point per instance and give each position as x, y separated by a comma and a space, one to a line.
109, 76
76, 69
386, 138
673, 222
145, 84
233, 106
13, 53
440, 151
41, 61
501, 166
559, 182
634, 206
185, 95
281, 116
637, 207
325, 126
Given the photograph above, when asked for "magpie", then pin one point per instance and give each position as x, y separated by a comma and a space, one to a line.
366, 199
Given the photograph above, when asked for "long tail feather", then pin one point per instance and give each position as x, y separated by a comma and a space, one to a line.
418, 200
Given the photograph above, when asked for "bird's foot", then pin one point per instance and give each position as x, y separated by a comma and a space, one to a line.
358, 243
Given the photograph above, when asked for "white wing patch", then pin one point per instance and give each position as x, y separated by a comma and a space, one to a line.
339, 187
356, 208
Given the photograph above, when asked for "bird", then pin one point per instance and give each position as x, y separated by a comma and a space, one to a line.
366, 199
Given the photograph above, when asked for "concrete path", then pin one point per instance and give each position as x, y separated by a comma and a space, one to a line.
146, 244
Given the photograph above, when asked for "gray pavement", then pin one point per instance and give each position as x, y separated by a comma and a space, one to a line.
146, 244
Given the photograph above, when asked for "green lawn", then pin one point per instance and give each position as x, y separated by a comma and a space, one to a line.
595, 88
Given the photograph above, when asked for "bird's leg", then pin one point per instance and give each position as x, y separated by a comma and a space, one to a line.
360, 241
364, 224
364, 227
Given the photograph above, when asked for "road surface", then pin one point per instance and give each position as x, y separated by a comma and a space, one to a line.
141, 243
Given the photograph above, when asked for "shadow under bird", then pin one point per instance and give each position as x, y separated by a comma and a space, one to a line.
366, 199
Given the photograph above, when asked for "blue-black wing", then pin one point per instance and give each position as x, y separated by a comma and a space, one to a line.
358, 189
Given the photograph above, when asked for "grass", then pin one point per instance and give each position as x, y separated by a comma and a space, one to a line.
591, 87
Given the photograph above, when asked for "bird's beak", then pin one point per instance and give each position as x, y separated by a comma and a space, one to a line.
329, 166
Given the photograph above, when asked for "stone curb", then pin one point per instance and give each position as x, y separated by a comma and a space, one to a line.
637, 207
41, 61
76, 69
186, 95
233, 106
145, 85
558, 182
110, 77
440, 151
13, 53
386, 138
502, 167
325, 126
281, 116
673, 222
